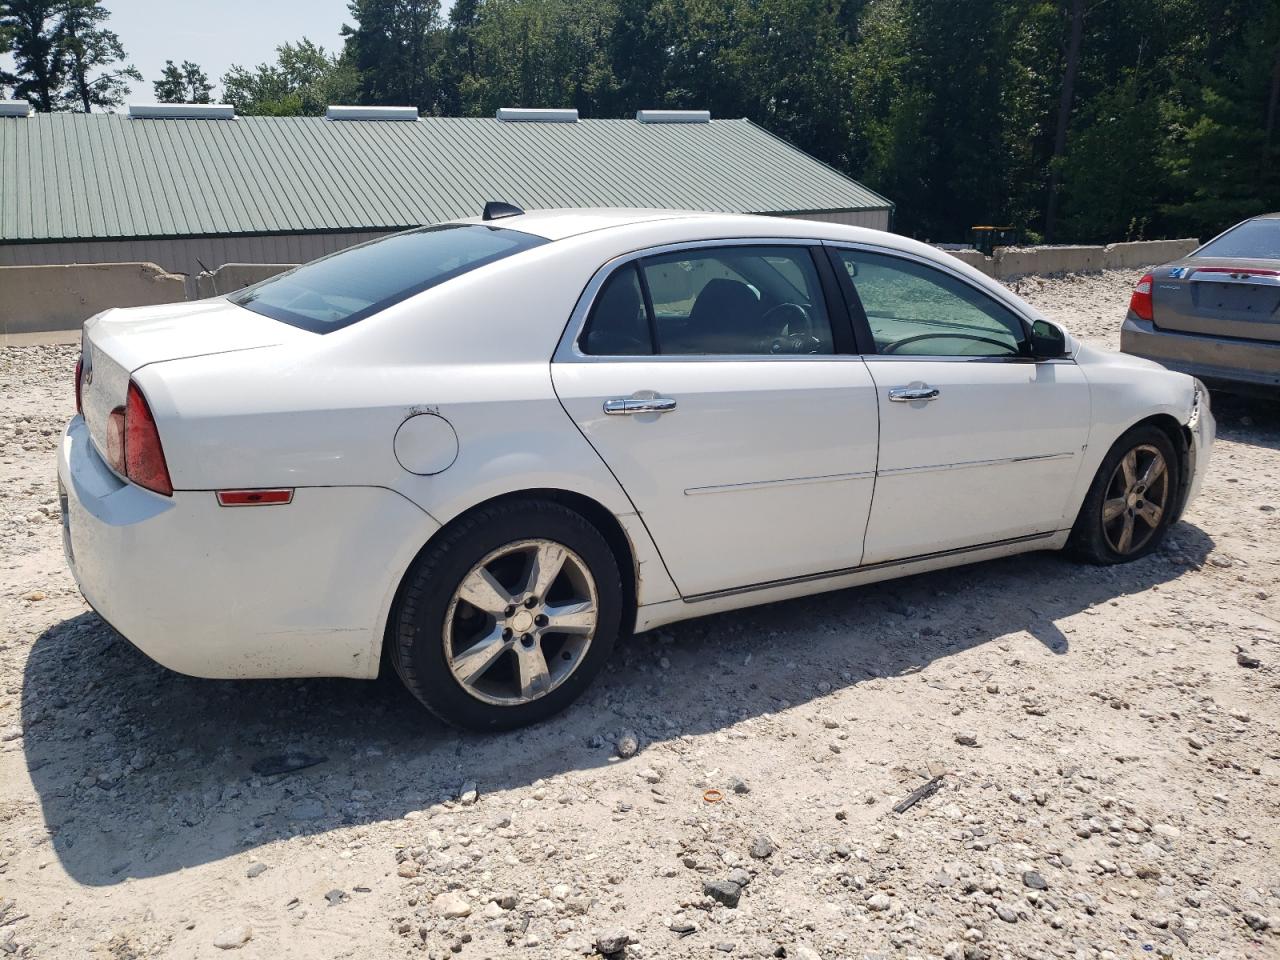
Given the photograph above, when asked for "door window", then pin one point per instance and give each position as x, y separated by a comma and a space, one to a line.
916, 310
619, 324
725, 301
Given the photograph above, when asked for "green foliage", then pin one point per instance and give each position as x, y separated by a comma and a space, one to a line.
397, 48
30, 29
185, 84
92, 57
958, 110
302, 82
64, 58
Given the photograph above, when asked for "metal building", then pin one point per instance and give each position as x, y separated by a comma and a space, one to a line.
193, 187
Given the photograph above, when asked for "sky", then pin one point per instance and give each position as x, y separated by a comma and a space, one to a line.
217, 34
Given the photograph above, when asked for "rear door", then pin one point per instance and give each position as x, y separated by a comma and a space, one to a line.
711, 380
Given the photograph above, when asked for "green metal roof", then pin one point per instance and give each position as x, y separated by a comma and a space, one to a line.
73, 176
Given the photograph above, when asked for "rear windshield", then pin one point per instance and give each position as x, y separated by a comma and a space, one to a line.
345, 287
1251, 240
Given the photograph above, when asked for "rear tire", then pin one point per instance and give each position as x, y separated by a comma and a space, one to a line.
1132, 500
474, 633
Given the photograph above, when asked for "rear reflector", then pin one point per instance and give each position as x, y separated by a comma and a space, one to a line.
254, 498
1140, 303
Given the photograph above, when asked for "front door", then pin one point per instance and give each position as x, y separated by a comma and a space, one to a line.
711, 383
978, 443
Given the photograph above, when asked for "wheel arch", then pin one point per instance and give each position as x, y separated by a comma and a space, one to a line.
1179, 436
594, 512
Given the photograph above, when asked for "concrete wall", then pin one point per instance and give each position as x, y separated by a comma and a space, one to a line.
63, 297
1020, 261
236, 276
185, 255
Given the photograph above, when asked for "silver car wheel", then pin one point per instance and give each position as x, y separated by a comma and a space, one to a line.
1136, 499
520, 622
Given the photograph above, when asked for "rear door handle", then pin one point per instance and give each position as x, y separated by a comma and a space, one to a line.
917, 391
627, 406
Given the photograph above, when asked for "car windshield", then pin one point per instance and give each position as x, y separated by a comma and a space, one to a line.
1251, 240
347, 286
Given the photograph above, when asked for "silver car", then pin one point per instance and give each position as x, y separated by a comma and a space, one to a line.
1216, 312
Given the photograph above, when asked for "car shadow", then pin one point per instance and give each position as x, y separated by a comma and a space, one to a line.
1252, 419
142, 772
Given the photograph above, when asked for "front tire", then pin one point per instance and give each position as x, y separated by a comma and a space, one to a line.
1132, 500
507, 616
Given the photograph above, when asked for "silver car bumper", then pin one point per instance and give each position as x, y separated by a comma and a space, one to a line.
1209, 358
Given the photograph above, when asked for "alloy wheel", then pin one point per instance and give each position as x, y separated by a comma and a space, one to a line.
520, 622
1136, 499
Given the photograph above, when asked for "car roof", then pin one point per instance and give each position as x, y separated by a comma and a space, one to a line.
565, 223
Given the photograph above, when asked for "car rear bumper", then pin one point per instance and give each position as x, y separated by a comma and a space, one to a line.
296, 590
1209, 358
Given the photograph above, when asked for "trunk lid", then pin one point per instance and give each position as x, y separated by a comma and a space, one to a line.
118, 342
1219, 297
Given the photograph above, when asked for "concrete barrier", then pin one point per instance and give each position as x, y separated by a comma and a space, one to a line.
1147, 253
62, 297
236, 276
1010, 262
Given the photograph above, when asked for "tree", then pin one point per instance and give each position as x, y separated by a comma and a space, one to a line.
396, 47
302, 82
30, 27
92, 56
1066, 101
185, 84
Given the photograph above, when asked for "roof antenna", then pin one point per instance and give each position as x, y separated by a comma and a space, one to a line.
497, 209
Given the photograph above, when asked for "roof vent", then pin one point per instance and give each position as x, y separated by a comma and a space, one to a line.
15, 108
536, 115
371, 113
673, 116
182, 111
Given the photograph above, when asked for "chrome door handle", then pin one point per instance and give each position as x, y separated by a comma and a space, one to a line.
907, 394
626, 406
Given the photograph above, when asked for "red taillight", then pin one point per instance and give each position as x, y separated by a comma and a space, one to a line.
144, 461
254, 498
79, 372
1140, 303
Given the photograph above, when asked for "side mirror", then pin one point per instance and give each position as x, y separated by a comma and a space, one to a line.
1047, 341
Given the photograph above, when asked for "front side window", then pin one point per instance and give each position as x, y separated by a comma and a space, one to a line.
722, 301
347, 286
916, 310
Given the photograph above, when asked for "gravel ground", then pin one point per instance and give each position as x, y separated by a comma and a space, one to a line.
1107, 743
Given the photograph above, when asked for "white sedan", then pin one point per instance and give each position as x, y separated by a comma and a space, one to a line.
487, 449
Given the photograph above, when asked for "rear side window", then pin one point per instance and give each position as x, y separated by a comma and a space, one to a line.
350, 285
619, 323
725, 301
1251, 240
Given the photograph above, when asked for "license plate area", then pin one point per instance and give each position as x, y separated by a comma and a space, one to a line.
1258, 301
